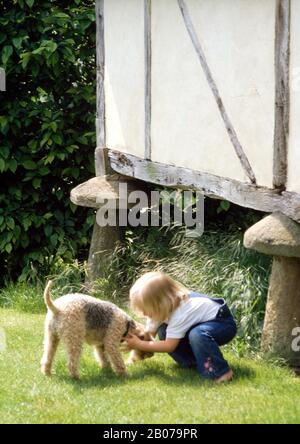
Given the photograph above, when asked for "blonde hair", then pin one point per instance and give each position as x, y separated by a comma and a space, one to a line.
157, 295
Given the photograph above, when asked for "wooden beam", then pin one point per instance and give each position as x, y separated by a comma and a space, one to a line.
102, 165
104, 238
228, 124
282, 94
148, 57
100, 162
244, 194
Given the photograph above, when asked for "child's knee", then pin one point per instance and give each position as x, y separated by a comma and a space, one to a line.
197, 336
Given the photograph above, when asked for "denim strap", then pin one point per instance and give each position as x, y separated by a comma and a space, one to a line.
223, 312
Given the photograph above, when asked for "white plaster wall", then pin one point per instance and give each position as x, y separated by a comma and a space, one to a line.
293, 183
124, 75
237, 37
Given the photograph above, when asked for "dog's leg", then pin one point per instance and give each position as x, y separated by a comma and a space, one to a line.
50, 347
74, 348
101, 356
112, 349
74, 352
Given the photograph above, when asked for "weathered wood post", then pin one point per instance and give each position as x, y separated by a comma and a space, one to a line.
279, 236
104, 238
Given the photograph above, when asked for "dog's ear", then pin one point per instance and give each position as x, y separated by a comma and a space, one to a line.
137, 329
140, 331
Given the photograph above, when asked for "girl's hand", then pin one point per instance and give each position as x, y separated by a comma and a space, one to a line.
133, 341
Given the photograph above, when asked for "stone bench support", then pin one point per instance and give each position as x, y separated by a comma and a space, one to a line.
279, 236
104, 239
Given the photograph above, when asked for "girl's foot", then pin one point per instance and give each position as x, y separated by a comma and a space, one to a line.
225, 378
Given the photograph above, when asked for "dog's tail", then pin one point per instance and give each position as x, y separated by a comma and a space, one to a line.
48, 300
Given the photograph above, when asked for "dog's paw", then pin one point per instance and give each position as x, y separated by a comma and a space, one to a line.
121, 373
131, 360
45, 370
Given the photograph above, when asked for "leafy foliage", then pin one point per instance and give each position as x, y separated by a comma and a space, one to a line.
47, 137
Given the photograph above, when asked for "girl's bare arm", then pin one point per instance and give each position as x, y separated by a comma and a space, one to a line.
166, 346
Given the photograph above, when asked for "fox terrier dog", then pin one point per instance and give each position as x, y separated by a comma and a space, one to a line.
78, 318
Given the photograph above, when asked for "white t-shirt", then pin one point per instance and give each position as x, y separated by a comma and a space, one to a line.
190, 312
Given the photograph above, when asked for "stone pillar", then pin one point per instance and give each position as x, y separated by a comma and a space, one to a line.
279, 236
283, 306
103, 243
104, 239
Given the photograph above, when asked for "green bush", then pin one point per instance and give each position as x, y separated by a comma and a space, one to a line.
47, 137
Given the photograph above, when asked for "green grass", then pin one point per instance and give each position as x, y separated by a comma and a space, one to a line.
156, 391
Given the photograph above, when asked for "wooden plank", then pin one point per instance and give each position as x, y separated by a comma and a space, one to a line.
282, 94
104, 238
244, 194
227, 122
100, 163
148, 57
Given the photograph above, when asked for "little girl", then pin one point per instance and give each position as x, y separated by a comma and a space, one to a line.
191, 326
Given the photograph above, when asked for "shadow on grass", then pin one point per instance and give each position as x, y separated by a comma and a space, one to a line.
171, 375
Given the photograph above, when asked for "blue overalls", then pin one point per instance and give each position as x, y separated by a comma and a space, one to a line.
200, 345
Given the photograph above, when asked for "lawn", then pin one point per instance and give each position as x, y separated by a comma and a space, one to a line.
156, 391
